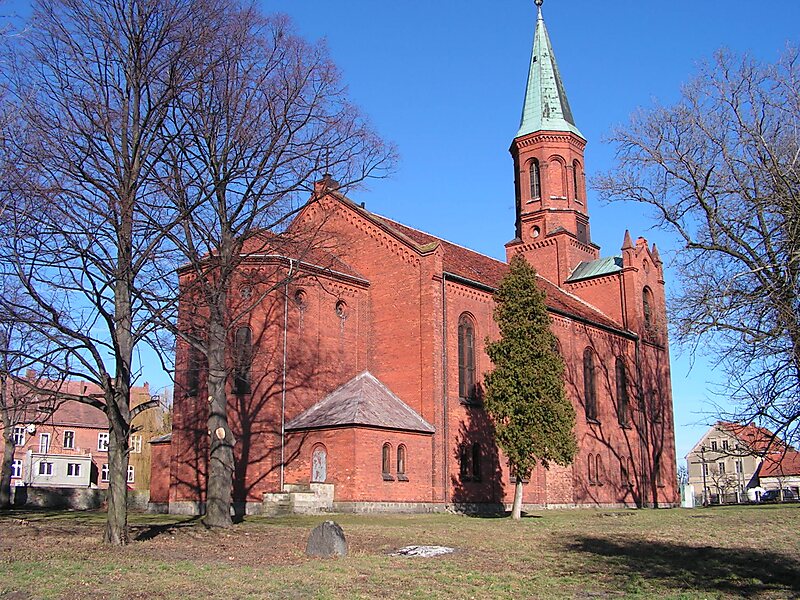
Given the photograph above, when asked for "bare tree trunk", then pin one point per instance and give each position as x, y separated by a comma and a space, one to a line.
516, 509
8, 457
117, 497
220, 459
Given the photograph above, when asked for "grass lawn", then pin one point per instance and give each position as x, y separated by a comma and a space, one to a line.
726, 552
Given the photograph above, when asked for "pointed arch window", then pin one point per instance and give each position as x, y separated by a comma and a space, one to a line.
466, 358
647, 307
401, 463
589, 385
243, 360
476, 462
576, 167
194, 366
536, 180
590, 468
386, 462
623, 405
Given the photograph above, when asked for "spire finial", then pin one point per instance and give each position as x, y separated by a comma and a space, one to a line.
538, 4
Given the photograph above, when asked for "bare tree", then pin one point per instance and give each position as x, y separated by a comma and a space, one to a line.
721, 170
91, 84
267, 116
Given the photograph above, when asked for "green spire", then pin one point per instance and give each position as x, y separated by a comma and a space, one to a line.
546, 107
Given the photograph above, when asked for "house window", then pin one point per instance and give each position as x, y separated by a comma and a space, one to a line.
575, 170
131, 474
44, 443
45, 468
69, 440
136, 444
466, 358
104, 473
193, 368
721, 468
622, 392
705, 469
739, 466
243, 357
16, 469
19, 435
589, 389
102, 442
724, 444
386, 462
401, 463
476, 462
714, 445
536, 181
73, 470
647, 307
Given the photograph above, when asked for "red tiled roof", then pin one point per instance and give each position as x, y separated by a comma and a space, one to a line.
757, 438
489, 271
780, 464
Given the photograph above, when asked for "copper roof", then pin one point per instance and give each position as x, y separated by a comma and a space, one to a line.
362, 401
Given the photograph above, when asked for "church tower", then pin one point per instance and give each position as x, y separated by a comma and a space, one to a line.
552, 219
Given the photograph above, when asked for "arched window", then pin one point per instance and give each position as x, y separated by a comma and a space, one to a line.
647, 307
576, 167
598, 470
476, 462
401, 461
243, 359
466, 358
622, 392
386, 460
590, 469
463, 461
536, 180
589, 388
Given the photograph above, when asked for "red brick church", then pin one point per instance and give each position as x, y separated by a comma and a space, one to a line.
364, 375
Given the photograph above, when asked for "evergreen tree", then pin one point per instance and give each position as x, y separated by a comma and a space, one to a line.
525, 395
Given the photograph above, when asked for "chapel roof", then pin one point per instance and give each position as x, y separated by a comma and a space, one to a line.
362, 401
596, 268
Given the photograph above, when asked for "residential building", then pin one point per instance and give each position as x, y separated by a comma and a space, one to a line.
365, 372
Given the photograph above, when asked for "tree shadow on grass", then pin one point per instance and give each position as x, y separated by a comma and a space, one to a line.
740, 571
143, 533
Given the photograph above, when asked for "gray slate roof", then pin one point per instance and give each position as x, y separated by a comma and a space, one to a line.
361, 401
596, 268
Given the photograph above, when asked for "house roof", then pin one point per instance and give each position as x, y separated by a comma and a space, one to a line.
363, 401
488, 271
757, 438
780, 464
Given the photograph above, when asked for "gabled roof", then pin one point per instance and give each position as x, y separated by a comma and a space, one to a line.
362, 401
780, 464
488, 271
546, 107
756, 438
596, 268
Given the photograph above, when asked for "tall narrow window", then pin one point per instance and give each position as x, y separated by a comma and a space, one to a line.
401, 463
589, 388
622, 392
598, 470
575, 179
16, 469
386, 461
463, 461
69, 440
476, 462
193, 367
243, 357
44, 443
466, 358
647, 307
536, 181
590, 469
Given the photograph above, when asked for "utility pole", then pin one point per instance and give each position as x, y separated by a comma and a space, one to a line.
703, 470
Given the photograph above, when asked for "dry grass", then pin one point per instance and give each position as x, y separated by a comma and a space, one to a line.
713, 553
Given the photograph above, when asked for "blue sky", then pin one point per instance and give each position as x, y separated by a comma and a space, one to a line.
444, 81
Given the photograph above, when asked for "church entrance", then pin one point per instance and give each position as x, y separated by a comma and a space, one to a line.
319, 465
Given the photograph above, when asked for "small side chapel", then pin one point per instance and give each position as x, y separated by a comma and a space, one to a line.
361, 381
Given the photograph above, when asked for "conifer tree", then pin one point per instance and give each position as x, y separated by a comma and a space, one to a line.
525, 396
